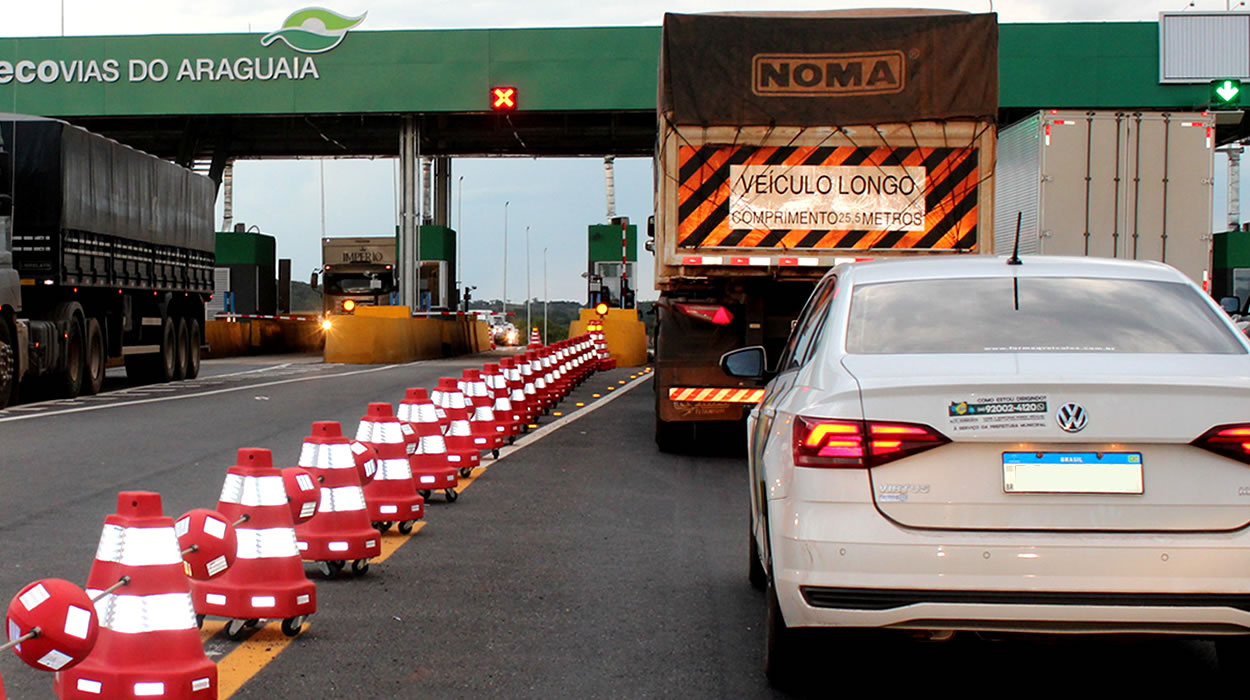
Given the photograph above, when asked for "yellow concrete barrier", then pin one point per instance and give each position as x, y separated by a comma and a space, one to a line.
388, 334
261, 335
625, 333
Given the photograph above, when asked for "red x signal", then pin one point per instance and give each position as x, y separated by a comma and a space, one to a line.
503, 99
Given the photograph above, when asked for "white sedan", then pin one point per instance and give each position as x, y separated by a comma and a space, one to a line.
1058, 445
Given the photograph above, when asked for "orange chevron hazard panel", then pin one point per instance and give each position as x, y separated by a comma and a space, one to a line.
715, 395
828, 198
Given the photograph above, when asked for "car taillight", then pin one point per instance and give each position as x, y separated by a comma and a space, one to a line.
859, 444
707, 312
1228, 440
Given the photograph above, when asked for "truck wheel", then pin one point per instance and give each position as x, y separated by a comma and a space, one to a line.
673, 436
181, 340
8, 363
164, 363
193, 349
96, 359
69, 382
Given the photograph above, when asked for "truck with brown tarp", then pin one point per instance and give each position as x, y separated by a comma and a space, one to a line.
791, 142
356, 272
105, 252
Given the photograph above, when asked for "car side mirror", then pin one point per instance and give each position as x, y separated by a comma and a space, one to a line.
745, 363
313, 282
1231, 305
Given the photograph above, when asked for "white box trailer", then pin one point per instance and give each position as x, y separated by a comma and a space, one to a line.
1120, 184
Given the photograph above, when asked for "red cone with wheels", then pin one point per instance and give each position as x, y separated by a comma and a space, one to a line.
497, 388
267, 580
459, 435
533, 401
601, 346
535, 341
340, 533
542, 377
516, 392
433, 468
390, 498
488, 432
148, 644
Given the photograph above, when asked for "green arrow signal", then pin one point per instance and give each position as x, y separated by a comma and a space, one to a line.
1228, 90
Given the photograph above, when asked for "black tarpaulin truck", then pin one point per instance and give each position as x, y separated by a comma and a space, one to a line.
791, 142
105, 252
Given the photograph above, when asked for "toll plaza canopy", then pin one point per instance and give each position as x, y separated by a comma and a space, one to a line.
579, 91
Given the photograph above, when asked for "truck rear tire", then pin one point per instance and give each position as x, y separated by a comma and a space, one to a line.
181, 340
8, 363
165, 363
96, 358
68, 382
673, 437
193, 349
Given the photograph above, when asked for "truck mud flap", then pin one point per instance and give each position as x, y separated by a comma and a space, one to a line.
687, 352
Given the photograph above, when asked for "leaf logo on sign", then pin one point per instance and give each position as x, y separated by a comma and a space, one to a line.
313, 30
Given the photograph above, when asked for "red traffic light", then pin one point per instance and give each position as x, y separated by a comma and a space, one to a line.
503, 99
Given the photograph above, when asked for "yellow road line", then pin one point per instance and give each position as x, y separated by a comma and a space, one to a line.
242, 664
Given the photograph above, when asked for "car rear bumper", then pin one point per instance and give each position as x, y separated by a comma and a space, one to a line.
843, 564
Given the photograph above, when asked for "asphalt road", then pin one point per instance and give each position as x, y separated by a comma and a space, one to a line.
584, 564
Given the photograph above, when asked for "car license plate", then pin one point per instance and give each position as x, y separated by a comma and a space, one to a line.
1072, 472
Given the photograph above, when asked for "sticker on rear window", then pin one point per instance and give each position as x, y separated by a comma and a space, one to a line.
999, 413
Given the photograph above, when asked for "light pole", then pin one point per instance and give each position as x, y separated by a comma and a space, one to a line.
504, 305
546, 317
459, 223
527, 281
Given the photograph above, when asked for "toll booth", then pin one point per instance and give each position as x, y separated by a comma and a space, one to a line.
245, 275
1230, 273
437, 287
605, 253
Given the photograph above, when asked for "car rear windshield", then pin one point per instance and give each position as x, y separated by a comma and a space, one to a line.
1034, 314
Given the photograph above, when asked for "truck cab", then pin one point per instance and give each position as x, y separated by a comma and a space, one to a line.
357, 272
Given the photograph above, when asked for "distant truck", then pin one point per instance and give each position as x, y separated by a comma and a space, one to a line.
356, 272
789, 142
1118, 184
105, 252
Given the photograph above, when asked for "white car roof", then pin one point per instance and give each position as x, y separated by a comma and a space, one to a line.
964, 266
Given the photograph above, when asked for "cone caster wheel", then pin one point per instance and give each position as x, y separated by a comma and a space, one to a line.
495, 453
235, 629
452, 495
511, 439
360, 567
425, 494
330, 568
405, 528
465, 472
382, 525
199, 622
292, 626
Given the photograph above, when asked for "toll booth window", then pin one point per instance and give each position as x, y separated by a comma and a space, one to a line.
433, 286
1241, 284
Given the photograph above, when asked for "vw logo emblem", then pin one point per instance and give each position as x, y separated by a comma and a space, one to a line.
1071, 417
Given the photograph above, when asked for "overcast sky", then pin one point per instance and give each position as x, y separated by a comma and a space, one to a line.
557, 199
